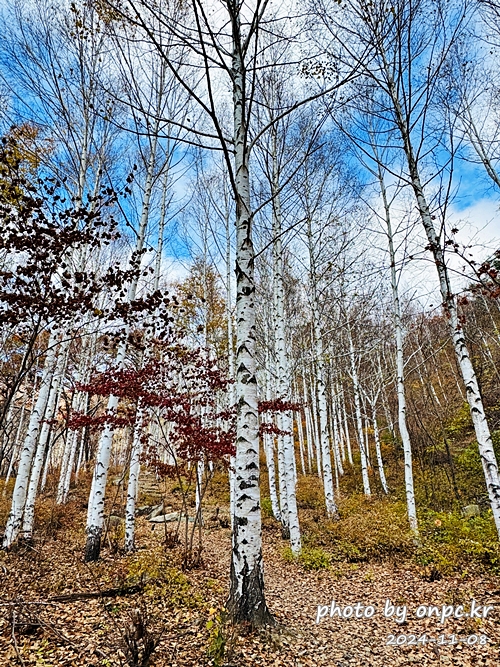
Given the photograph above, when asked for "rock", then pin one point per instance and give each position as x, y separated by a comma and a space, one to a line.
156, 510
164, 518
115, 521
470, 511
143, 510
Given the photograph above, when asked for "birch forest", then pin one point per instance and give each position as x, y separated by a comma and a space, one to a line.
249, 333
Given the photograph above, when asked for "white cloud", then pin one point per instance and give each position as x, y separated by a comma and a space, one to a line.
479, 224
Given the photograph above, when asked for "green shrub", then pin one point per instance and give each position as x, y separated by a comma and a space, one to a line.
453, 543
217, 625
470, 474
347, 551
161, 581
266, 507
460, 423
310, 558
310, 495
367, 529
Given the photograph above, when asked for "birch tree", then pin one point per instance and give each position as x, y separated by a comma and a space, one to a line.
15, 517
225, 44
409, 49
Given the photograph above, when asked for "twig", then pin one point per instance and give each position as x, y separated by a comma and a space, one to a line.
110, 593
14, 638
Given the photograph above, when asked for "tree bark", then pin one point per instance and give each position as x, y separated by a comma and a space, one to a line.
400, 381
359, 422
285, 421
246, 601
28, 451
483, 435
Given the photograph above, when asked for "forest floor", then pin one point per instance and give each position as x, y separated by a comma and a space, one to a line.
57, 611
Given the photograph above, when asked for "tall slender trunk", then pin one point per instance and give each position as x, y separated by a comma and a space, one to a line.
95, 514
82, 404
310, 435
380, 463
200, 469
346, 430
400, 381
69, 452
326, 462
313, 413
285, 421
15, 448
271, 471
136, 451
483, 435
282, 481
28, 450
340, 427
230, 363
133, 480
300, 433
246, 597
29, 510
359, 421
336, 437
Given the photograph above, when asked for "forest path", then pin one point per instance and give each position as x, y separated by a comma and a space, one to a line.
90, 632
149, 486
293, 596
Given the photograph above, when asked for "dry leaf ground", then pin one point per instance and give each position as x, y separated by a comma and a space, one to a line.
181, 613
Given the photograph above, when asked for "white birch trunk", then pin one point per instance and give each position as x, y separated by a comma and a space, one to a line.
15, 448
336, 439
48, 463
285, 422
282, 481
48, 457
246, 597
359, 421
28, 450
307, 419
65, 479
326, 462
95, 514
378, 451
340, 428
80, 455
367, 440
346, 431
483, 435
314, 429
387, 412
230, 357
300, 433
78, 403
136, 450
200, 469
133, 481
271, 469
309, 433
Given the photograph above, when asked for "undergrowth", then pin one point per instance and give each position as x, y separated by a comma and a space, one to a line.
377, 530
